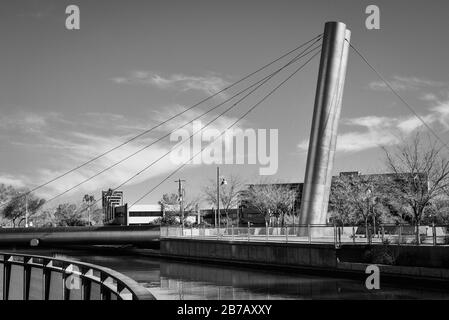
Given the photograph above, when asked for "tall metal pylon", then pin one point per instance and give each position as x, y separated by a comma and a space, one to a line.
326, 114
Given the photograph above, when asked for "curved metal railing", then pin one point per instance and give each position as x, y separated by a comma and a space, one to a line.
32, 277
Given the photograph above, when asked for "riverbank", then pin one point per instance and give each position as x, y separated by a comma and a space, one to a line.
316, 260
170, 278
322, 259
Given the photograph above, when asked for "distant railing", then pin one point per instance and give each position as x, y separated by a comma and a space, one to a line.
31, 277
338, 235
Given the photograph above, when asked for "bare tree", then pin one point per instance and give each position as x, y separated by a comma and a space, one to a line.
229, 193
170, 205
271, 199
358, 198
423, 171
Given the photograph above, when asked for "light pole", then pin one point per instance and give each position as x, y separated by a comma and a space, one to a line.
26, 212
218, 196
181, 200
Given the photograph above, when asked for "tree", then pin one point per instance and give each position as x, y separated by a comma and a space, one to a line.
7, 192
271, 199
169, 203
67, 215
356, 199
89, 206
19, 203
229, 189
423, 173
44, 218
170, 206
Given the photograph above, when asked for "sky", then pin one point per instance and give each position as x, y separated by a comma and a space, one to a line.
66, 96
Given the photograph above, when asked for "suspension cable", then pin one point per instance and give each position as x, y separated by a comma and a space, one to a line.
223, 132
252, 108
266, 78
163, 122
400, 97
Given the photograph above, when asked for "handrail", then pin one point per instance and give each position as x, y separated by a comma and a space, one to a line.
318, 234
112, 283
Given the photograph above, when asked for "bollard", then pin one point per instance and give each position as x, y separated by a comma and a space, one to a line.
232, 231
383, 234
266, 231
400, 234
191, 232
286, 235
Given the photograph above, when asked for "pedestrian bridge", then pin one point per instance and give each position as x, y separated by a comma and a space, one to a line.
104, 235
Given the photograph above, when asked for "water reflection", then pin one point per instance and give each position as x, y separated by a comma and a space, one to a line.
168, 279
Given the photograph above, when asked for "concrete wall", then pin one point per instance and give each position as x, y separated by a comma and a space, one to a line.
403, 255
282, 254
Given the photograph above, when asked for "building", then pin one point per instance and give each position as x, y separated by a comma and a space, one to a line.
110, 200
141, 214
251, 214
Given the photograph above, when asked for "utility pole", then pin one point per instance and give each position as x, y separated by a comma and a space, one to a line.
218, 196
26, 211
181, 200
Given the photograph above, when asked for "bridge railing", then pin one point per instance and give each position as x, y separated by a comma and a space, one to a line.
31, 277
338, 235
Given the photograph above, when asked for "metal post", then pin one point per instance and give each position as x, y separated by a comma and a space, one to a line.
353, 234
339, 235
218, 196
400, 234
434, 234
6, 276
248, 230
286, 234
26, 211
46, 279
335, 236
26, 277
383, 234
266, 231
329, 93
181, 202
369, 236
232, 231
309, 233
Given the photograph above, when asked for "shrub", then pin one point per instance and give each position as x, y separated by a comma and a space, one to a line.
380, 255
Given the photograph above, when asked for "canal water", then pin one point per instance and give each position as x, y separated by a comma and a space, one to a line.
168, 279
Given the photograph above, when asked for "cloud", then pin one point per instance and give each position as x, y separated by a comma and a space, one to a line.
88, 137
25, 121
401, 83
208, 84
374, 131
8, 179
